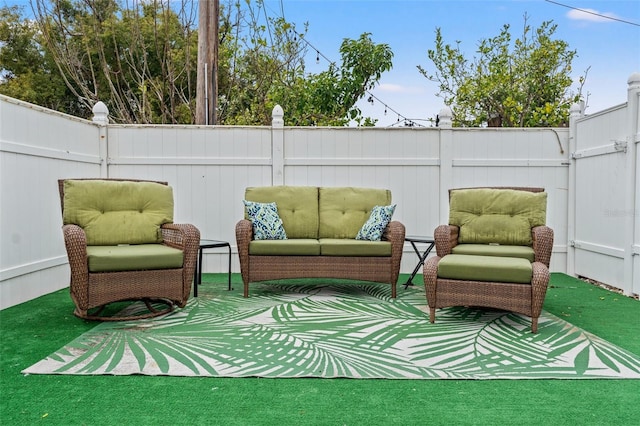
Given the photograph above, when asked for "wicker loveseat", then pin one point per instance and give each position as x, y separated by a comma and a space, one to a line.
321, 225
494, 253
122, 245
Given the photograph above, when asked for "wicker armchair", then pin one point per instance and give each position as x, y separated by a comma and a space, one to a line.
120, 265
481, 274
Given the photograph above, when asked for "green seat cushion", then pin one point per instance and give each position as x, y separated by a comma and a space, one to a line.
297, 207
524, 252
353, 247
501, 216
118, 212
289, 247
485, 268
133, 257
343, 210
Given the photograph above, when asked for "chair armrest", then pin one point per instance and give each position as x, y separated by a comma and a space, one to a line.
244, 234
542, 243
430, 278
75, 241
446, 238
394, 233
185, 237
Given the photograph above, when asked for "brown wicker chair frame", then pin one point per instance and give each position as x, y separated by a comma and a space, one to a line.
519, 298
92, 292
375, 269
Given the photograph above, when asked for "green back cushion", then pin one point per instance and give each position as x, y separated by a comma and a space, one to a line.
343, 210
496, 216
297, 207
118, 212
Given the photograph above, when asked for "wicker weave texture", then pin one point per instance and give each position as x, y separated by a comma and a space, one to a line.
526, 299
375, 269
92, 290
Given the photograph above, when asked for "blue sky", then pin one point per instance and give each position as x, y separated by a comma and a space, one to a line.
610, 48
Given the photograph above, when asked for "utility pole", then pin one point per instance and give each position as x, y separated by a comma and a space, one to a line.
207, 74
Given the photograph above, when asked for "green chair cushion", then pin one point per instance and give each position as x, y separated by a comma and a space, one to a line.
501, 216
118, 212
343, 210
289, 247
297, 207
352, 247
485, 268
524, 252
133, 257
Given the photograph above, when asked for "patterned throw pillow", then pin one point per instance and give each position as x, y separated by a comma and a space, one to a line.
374, 227
267, 224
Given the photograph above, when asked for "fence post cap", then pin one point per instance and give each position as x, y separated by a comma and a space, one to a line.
446, 117
100, 113
577, 108
277, 116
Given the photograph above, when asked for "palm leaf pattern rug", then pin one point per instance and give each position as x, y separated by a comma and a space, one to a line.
338, 329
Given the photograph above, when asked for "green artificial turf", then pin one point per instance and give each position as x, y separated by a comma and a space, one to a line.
33, 330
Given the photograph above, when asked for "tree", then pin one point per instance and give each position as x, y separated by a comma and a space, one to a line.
526, 83
329, 98
27, 72
266, 67
140, 58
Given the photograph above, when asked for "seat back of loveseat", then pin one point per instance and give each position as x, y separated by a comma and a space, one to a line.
321, 212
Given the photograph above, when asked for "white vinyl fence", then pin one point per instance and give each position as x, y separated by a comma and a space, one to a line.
604, 215
210, 166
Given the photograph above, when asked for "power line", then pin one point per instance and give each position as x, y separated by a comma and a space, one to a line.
407, 121
593, 13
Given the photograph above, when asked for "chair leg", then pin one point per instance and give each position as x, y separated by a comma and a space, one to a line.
534, 325
432, 315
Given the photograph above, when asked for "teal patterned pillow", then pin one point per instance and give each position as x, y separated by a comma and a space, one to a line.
267, 224
374, 227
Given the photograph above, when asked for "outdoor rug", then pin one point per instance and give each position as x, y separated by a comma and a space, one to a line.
338, 329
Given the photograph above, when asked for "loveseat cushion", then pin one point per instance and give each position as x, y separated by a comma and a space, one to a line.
118, 212
485, 268
352, 247
343, 210
524, 252
290, 247
501, 216
133, 257
297, 207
